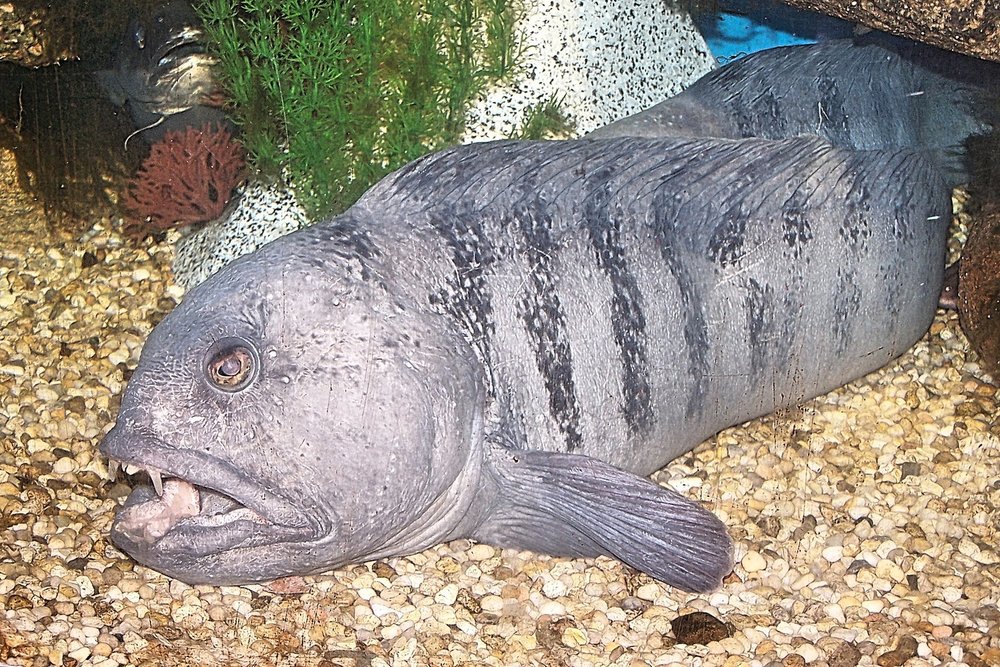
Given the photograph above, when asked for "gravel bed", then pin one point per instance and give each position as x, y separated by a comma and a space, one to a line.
866, 522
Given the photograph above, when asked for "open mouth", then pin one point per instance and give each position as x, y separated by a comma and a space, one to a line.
147, 518
194, 503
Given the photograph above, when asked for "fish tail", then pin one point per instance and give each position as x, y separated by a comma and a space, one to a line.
957, 109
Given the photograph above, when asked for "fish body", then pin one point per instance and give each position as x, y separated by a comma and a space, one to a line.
874, 92
501, 340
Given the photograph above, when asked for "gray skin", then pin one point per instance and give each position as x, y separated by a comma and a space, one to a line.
163, 73
500, 341
872, 92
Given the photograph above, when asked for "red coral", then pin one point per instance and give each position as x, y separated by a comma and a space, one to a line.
188, 177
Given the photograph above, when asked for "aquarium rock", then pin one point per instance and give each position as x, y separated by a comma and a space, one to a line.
602, 59
261, 213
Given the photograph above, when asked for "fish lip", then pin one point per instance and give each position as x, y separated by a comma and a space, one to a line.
207, 472
176, 46
189, 539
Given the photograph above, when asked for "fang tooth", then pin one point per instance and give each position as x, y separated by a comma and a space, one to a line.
131, 469
113, 467
154, 477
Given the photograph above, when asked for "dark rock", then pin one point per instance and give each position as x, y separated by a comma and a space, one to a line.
979, 287
972, 28
857, 565
59, 484
77, 563
808, 525
769, 525
949, 290
76, 405
905, 649
699, 628
18, 602
384, 570
942, 458
909, 469
469, 601
845, 654
632, 603
550, 631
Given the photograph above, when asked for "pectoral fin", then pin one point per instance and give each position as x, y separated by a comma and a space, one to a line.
571, 505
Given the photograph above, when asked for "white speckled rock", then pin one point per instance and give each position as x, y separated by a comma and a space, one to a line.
262, 214
607, 59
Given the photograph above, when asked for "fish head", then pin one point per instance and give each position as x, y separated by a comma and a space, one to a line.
161, 66
295, 413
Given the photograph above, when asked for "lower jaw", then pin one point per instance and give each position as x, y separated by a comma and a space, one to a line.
233, 567
190, 539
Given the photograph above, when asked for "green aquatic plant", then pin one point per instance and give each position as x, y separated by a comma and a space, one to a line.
337, 94
546, 120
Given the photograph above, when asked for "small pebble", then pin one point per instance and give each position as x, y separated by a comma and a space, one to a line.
833, 554
699, 628
906, 648
753, 562
447, 595
808, 652
845, 654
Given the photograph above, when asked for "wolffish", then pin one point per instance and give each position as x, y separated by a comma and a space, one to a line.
499, 341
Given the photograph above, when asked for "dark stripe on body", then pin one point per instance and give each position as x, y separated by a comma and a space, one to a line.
628, 321
723, 198
342, 238
854, 227
801, 206
726, 244
544, 320
759, 306
854, 232
795, 221
666, 217
730, 200
846, 306
907, 208
466, 296
347, 239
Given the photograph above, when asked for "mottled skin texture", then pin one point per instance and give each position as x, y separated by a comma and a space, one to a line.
499, 341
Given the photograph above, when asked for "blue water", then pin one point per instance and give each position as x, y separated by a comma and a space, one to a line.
746, 26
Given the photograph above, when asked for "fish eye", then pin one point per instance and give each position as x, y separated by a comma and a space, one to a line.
232, 366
